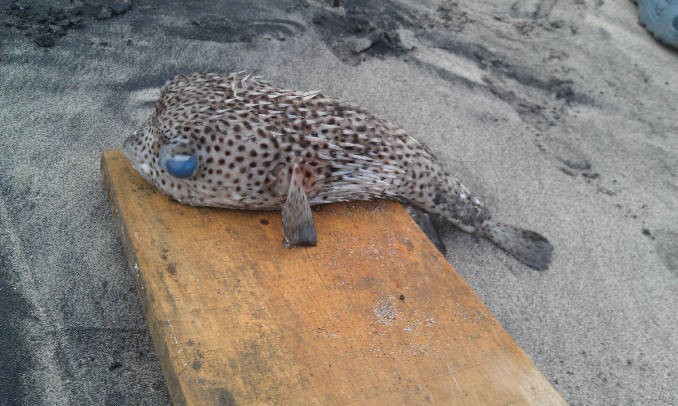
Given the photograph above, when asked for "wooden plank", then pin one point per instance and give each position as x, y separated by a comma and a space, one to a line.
373, 315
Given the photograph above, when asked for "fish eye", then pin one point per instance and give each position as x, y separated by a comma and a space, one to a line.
182, 166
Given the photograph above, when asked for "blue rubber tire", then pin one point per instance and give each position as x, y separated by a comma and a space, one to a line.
663, 24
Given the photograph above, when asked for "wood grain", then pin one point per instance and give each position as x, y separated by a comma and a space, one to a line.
373, 315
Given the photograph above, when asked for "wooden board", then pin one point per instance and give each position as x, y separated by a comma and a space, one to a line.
373, 315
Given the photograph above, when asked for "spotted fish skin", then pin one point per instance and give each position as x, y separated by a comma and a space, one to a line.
253, 142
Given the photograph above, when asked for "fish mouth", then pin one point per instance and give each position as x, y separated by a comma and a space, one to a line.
128, 149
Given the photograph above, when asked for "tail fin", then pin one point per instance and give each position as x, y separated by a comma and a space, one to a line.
526, 246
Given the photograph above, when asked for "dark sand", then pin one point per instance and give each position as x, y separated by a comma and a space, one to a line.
560, 115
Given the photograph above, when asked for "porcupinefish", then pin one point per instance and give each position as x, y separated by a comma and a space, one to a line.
235, 141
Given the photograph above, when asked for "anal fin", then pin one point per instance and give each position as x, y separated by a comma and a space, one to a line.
297, 219
426, 223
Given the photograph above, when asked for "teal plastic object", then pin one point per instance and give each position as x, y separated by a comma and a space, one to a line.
660, 17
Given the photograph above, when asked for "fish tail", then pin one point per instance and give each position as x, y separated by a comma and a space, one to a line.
528, 247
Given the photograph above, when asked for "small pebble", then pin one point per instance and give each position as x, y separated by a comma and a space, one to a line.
45, 40
115, 365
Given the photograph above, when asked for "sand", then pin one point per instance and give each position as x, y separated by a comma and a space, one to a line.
560, 115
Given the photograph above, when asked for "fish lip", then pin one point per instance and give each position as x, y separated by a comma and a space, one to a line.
127, 149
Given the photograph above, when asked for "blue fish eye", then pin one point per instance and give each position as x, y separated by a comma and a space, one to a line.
182, 166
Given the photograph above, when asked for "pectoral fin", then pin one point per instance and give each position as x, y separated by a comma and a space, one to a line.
297, 220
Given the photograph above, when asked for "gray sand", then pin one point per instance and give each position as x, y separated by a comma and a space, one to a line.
561, 115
